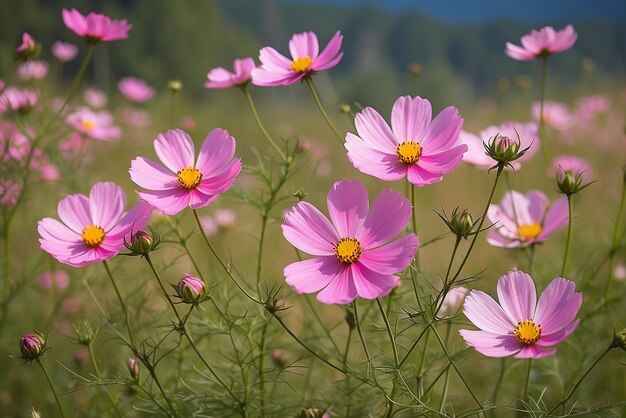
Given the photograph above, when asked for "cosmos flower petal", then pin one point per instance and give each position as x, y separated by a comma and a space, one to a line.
373, 129
175, 149
348, 204
382, 165
340, 290
556, 218
558, 305
372, 284
517, 295
151, 175
391, 258
410, 118
486, 314
74, 212
309, 276
534, 351
330, 56
387, 217
304, 45
169, 202
216, 153
552, 339
491, 345
307, 229
106, 203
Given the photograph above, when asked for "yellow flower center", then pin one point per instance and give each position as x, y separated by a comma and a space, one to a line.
302, 64
93, 235
348, 250
529, 231
87, 124
409, 152
189, 177
527, 332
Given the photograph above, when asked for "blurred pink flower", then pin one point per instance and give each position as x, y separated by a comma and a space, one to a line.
188, 122
225, 218
95, 97
453, 300
9, 192
13, 143
137, 118
96, 125
576, 165
416, 146
520, 325
93, 227
209, 225
28, 47
278, 70
221, 78
542, 43
18, 100
95, 27
183, 182
135, 89
73, 145
354, 254
620, 272
64, 51
528, 135
556, 115
33, 70
58, 279
81, 356
520, 220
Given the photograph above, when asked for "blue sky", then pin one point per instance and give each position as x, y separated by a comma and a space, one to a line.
478, 11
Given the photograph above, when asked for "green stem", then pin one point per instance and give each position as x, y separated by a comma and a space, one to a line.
122, 304
527, 382
499, 382
617, 238
54, 392
257, 119
320, 106
79, 77
173, 108
95, 368
152, 372
396, 360
261, 366
569, 395
414, 222
420, 368
260, 253
542, 122
569, 234
444, 395
357, 322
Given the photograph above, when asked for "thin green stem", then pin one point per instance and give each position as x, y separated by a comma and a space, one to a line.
542, 120
257, 119
347, 350
617, 239
152, 372
444, 395
122, 304
527, 382
420, 368
261, 366
320, 106
95, 368
54, 392
499, 381
76, 83
259, 262
569, 234
357, 322
414, 223
569, 395
396, 360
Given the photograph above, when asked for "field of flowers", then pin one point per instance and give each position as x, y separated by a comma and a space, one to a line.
322, 259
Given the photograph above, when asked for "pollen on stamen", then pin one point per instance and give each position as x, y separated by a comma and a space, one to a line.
529, 231
409, 152
527, 332
189, 177
302, 64
348, 250
93, 235
88, 124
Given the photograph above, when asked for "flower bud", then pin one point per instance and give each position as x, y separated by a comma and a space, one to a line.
453, 300
84, 333
29, 48
142, 242
175, 86
32, 346
133, 367
279, 358
415, 69
504, 150
300, 194
460, 222
619, 339
191, 290
350, 320
81, 356
345, 108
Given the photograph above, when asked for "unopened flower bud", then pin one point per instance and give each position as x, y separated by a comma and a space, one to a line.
453, 300
312, 412
619, 339
32, 346
29, 48
84, 333
300, 194
345, 108
133, 367
191, 290
175, 86
81, 356
504, 150
415, 69
279, 358
350, 320
142, 242
461, 223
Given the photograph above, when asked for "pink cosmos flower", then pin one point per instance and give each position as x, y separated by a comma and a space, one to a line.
576, 165
96, 125
528, 135
28, 45
64, 51
137, 118
520, 220
18, 100
184, 182
278, 70
453, 300
95, 27
416, 146
556, 115
92, 228
9, 192
135, 89
95, 97
221, 78
58, 279
542, 43
520, 325
354, 255
33, 70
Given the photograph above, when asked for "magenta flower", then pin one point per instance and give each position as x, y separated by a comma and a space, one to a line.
278, 70
95, 97
221, 78
416, 146
453, 300
54, 279
9, 192
135, 89
95, 27
576, 165
555, 115
27, 46
33, 70
520, 325
354, 255
542, 43
92, 228
183, 182
191, 289
64, 51
96, 125
520, 220
18, 100
528, 136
